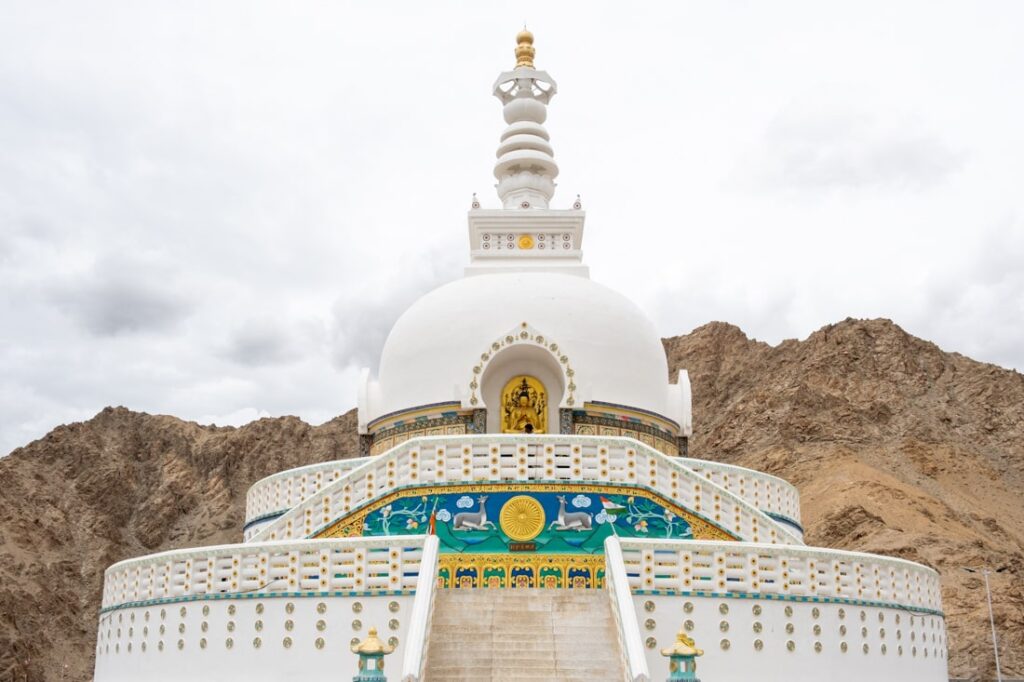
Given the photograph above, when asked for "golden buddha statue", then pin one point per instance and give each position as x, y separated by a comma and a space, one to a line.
524, 406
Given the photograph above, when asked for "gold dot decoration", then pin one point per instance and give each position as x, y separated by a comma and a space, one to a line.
319, 643
393, 641
289, 607
526, 242
321, 608
651, 642
648, 606
688, 607
287, 642
257, 643
393, 624
321, 625
522, 518
357, 624
650, 624
758, 645
394, 606
357, 607
229, 643
723, 609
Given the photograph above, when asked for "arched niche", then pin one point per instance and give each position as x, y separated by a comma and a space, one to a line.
522, 359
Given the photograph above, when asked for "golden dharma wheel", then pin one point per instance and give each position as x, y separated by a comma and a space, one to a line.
522, 518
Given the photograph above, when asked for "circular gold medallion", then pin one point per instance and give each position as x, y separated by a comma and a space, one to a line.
522, 518
525, 242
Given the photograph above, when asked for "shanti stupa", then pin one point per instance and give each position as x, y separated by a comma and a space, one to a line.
524, 507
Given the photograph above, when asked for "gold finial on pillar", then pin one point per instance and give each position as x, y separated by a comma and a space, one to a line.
524, 49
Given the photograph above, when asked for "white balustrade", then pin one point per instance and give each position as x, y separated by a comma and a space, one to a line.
494, 458
766, 492
616, 580
277, 494
723, 567
285, 489
356, 564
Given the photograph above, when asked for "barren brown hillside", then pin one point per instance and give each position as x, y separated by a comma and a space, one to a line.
897, 446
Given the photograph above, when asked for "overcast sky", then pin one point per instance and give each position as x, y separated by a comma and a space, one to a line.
217, 210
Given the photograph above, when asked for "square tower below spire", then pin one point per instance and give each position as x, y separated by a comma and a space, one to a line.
546, 240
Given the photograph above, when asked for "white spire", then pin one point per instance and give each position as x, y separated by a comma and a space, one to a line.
526, 168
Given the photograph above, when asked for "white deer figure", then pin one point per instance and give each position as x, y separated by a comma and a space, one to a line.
570, 520
473, 520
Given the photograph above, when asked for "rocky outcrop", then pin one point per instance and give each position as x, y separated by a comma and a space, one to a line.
897, 446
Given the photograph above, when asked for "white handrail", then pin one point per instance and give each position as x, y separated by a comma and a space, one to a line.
422, 611
625, 616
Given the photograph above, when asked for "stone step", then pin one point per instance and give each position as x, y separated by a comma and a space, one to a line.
522, 635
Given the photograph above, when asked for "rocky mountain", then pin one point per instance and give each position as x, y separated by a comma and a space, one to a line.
897, 447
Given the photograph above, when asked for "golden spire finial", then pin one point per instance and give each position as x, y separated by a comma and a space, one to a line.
524, 49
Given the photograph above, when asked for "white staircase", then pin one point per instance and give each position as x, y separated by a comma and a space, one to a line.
523, 634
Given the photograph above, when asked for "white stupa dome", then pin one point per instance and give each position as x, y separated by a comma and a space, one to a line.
613, 350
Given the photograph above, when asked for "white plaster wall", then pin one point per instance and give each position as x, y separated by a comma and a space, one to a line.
741, 662
120, 656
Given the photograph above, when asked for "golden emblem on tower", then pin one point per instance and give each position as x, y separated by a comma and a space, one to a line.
524, 404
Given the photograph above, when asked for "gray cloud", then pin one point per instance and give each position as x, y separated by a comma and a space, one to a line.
821, 149
259, 343
119, 298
